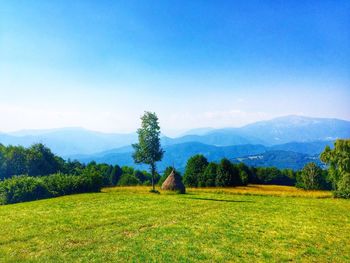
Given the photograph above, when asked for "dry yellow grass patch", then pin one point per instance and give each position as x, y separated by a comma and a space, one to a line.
252, 189
273, 190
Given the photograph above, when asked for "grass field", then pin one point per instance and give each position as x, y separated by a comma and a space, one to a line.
247, 224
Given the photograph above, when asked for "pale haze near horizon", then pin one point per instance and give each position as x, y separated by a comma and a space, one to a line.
100, 65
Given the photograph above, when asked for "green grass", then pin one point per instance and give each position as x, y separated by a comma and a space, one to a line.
131, 224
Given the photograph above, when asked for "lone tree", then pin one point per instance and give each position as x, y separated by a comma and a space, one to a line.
148, 150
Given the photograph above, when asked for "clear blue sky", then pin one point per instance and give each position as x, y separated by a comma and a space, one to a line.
100, 64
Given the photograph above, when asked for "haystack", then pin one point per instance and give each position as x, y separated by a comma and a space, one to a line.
174, 183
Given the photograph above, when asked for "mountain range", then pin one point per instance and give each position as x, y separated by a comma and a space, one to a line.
69, 141
290, 155
286, 142
276, 131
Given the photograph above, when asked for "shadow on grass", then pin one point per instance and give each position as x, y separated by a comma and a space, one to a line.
219, 200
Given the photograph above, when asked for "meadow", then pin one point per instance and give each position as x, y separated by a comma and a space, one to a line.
243, 224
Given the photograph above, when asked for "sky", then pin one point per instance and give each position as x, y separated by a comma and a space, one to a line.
101, 64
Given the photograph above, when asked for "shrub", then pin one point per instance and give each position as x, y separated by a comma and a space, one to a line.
25, 188
21, 189
140, 176
147, 183
272, 175
128, 180
244, 177
342, 194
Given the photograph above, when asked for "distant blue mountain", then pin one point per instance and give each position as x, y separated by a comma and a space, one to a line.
290, 155
297, 129
220, 137
310, 148
68, 142
176, 155
279, 159
198, 131
277, 131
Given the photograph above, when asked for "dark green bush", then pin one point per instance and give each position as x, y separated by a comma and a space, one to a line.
21, 189
272, 175
342, 194
26, 188
128, 180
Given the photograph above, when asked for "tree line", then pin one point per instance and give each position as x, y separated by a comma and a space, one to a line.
38, 160
35, 172
201, 173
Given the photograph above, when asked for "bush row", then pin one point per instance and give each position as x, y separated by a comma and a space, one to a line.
26, 188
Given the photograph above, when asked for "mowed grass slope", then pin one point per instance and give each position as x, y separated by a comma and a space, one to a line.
130, 224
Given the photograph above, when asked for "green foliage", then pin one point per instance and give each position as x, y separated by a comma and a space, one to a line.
344, 193
312, 178
272, 175
228, 174
244, 177
14, 161
128, 180
194, 172
73, 167
148, 150
103, 169
127, 170
338, 160
199, 173
36, 160
21, 189
115, 175
210, 175
41, 161
26, 188
140, 176
130, 176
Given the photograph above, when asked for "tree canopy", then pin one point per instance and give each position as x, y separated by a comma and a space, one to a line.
148, 149
195, 168
311, 177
